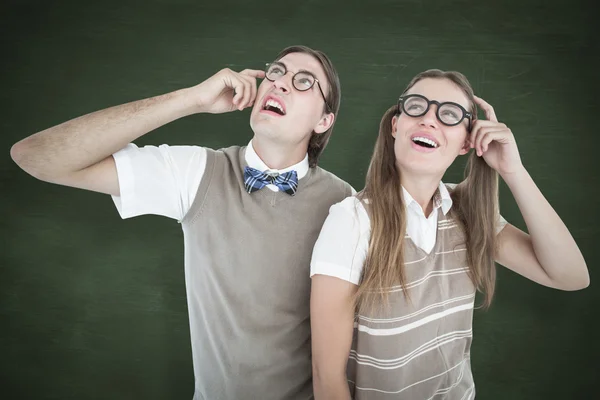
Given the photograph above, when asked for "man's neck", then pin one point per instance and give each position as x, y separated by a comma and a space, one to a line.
421, 188
278, 156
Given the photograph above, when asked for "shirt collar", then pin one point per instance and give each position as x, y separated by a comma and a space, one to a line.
441, 199
254, 161
445, 200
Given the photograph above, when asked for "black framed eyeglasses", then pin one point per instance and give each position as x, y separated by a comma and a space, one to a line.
448, 113
302, 80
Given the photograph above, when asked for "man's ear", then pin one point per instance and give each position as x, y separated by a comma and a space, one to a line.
325, 123
394, 122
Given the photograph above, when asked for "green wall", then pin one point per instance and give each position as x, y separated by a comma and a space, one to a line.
93, 307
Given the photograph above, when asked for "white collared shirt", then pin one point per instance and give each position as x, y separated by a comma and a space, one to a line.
422, 230
254, 161
164, 180
343, 244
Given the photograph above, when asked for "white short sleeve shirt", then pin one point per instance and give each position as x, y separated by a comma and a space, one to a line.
341, 249
164, 180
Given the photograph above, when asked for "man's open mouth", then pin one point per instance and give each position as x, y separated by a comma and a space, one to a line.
274, 106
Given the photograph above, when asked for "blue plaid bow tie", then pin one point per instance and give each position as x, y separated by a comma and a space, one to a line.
255, 180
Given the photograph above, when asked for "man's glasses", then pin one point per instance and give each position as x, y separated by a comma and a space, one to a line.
448, 113
302, 80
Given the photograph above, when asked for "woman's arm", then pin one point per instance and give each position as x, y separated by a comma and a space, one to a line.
332, 325
336, 267
549, 254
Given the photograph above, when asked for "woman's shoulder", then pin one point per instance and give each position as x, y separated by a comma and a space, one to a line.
352, 206
350, 203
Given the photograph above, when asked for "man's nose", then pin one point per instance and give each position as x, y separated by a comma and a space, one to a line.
283, 83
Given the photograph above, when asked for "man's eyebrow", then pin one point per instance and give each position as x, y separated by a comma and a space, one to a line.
300, 70
307, 71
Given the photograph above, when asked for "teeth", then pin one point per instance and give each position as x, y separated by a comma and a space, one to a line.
425, 140
273, 103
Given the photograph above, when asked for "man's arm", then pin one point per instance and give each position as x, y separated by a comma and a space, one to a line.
78, 152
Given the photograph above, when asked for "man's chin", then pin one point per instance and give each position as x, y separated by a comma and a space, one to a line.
266, 123
265, 129
266, 117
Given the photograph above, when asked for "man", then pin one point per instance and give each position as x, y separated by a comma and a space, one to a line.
250, 215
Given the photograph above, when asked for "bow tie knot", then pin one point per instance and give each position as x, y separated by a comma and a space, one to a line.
255, 180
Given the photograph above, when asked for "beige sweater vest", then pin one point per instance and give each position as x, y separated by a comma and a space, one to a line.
247, 261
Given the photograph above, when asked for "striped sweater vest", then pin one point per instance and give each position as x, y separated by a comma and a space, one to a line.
418, 348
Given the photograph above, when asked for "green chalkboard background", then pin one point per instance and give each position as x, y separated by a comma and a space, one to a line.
93, 307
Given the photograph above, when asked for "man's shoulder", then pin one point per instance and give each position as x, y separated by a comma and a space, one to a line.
232, 155
227, 151
330, 178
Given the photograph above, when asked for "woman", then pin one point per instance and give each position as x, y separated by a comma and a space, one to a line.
396, 267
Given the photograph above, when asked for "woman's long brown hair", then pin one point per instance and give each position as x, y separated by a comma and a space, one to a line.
475, 207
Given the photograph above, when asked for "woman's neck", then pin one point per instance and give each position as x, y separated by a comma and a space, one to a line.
422, 188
